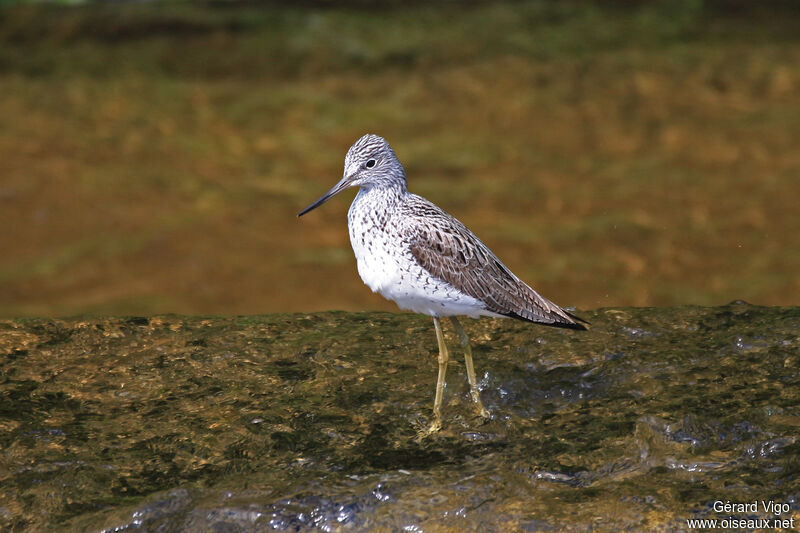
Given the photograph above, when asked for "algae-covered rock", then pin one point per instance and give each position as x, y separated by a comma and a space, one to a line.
303, 422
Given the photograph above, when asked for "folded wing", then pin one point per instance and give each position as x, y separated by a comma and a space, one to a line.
449, 251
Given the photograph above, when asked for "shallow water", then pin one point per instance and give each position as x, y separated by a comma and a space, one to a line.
304, 422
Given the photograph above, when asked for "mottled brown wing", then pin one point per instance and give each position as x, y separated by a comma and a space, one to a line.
451, 252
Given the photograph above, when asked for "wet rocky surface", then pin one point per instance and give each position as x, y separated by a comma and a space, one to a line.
310, 422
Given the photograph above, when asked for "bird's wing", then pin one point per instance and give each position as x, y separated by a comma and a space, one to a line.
451, 252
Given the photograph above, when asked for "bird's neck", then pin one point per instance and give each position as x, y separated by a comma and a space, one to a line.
380, 198
374, 206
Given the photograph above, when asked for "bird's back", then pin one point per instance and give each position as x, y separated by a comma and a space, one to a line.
445, 248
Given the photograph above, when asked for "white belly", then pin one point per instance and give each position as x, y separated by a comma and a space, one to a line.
390, 270
386, 265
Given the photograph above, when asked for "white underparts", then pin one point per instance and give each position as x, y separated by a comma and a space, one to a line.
386, 265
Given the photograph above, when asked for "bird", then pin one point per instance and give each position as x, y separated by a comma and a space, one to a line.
413, 253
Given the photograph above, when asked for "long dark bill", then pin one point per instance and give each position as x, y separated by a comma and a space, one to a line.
339, 187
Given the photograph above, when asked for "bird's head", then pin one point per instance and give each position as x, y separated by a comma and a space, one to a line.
370, 162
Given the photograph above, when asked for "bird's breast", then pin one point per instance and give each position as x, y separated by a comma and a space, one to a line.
387, 266
379, 254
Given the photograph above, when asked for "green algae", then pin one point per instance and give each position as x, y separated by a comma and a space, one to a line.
303, 422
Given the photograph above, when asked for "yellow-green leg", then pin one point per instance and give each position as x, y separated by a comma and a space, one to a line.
443, 359
473, 384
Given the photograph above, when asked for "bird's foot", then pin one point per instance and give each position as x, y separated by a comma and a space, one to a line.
431, 430
479, 408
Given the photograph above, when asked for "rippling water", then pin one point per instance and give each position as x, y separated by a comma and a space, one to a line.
304, 422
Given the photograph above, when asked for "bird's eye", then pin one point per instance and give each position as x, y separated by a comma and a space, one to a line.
371, 163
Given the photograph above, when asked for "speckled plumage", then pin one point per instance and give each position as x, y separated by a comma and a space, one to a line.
411, 252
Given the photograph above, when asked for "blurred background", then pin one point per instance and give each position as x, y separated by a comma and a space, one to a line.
154, 155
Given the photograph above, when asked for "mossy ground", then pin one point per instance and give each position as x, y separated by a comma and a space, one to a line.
298, 422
